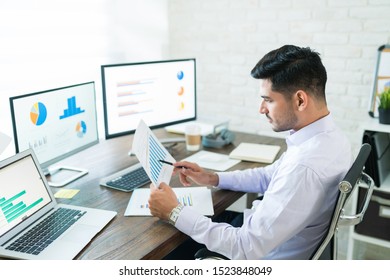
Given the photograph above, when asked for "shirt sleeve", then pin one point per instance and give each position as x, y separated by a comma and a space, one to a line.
254, 180
271, 223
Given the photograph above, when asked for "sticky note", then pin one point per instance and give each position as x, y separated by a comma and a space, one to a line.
66, 193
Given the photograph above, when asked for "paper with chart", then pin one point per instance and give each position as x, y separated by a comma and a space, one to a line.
149, 151
198, 198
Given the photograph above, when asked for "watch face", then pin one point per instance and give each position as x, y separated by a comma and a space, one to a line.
172, 219
175, 214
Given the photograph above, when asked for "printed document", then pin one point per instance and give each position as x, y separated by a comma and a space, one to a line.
149, 152
198, 198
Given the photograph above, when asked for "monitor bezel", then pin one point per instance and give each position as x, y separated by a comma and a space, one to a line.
131, 131
45, 165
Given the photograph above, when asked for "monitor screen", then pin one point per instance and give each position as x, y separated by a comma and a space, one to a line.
159, 92
55, 123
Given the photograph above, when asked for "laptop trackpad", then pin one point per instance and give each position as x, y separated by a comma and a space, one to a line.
80, 233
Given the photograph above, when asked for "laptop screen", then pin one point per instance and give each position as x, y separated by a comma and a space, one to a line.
22, 193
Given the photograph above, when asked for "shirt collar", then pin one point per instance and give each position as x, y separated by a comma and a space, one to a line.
298, 137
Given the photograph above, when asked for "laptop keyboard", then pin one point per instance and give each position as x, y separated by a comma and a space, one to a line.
129, 181
44, 233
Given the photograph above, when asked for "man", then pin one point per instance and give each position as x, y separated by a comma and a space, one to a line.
300, 188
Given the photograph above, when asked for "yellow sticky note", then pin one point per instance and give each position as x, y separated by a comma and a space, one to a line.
66, 193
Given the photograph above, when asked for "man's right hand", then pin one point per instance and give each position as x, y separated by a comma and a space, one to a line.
189, 171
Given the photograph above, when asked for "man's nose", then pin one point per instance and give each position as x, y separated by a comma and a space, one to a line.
263, 108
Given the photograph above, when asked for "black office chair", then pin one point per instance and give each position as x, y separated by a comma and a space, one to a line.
328, 246
354, 178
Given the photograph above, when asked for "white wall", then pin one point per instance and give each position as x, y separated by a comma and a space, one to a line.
228, 38
47, 44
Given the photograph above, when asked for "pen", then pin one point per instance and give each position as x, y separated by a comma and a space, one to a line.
170, 163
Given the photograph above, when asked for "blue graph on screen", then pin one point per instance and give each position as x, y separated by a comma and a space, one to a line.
72, 109
156, 153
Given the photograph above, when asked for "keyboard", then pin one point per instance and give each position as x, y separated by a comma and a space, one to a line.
44, 233
128, 179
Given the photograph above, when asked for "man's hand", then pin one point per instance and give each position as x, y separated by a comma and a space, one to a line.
189, 171
162, 200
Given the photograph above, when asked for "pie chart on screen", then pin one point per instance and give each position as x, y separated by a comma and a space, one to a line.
81, 129
38, 113
180, 75
181, 91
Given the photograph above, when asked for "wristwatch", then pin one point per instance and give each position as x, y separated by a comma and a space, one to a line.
174, 215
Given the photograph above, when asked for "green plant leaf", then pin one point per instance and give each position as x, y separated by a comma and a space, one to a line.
384, 99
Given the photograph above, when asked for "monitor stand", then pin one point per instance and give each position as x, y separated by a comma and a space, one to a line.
166, 142
60, 176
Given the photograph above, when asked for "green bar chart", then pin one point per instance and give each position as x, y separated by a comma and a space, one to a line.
14, 207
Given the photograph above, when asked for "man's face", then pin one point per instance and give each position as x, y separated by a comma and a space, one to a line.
277, 108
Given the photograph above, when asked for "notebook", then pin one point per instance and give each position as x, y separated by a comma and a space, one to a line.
255, 152
26, 200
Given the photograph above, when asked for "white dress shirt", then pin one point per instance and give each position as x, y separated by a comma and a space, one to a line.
300, 191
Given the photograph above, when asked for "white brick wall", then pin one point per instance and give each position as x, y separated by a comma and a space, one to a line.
229, 37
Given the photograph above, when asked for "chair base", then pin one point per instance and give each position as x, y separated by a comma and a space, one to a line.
204, 253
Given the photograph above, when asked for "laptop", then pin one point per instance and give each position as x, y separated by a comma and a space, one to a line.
27, 205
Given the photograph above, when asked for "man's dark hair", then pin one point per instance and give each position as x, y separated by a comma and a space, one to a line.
291, 68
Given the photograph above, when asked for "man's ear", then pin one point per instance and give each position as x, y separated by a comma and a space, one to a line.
301, 100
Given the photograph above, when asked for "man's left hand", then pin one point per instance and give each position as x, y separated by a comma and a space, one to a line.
162, 200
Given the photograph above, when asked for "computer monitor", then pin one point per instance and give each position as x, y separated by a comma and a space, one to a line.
56, 124
161, 93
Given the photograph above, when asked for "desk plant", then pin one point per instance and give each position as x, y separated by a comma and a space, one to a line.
384, 107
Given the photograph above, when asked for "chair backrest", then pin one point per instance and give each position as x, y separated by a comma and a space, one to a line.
354, 177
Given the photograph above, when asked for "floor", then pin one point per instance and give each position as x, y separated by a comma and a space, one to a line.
362, 250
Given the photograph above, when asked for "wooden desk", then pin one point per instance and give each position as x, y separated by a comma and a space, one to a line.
137, 237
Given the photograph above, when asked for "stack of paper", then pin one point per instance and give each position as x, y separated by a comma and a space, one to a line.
255, 152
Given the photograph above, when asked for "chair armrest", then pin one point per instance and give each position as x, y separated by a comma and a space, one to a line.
351, 220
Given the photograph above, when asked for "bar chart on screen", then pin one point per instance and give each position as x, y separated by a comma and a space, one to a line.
16, 206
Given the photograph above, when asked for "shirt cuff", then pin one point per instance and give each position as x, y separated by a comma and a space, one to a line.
187, 220
223, 179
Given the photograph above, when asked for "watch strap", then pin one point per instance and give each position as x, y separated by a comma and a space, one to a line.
174, 215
